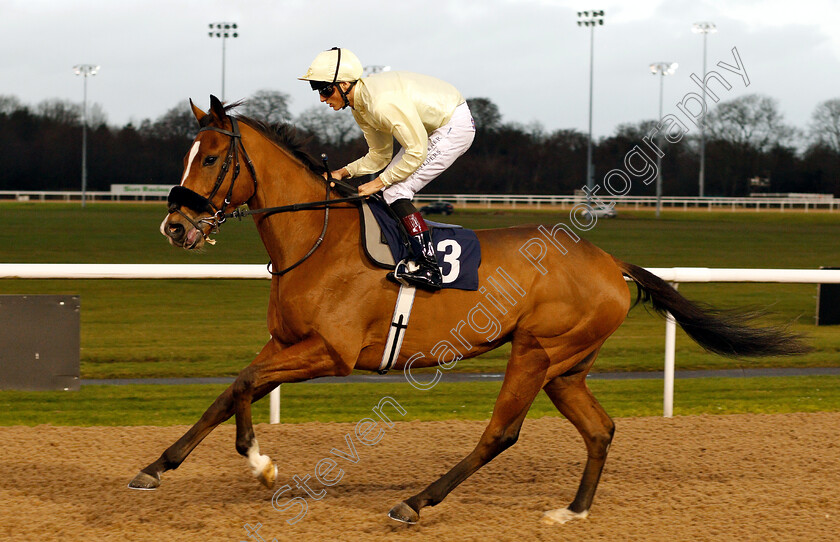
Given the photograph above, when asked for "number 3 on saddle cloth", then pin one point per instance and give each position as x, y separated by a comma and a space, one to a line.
457, 248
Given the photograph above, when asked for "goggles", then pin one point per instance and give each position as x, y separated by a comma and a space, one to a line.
327, 91
324, 89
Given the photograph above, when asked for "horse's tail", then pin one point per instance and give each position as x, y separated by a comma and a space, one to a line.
724, 332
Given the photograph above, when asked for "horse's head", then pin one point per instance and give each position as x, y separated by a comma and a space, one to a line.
210, 184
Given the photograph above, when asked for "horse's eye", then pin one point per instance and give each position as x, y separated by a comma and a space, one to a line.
210, 160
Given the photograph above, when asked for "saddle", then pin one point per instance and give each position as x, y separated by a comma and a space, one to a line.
457, 248
373, 240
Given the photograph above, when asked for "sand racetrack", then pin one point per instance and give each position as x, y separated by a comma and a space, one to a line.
743, 477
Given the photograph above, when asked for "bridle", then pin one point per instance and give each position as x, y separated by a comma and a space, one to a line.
181, 196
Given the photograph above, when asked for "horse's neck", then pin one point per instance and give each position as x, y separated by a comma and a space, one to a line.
283, 180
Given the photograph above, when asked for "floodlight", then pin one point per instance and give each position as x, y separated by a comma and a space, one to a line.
584, 19
704, 28
223, 29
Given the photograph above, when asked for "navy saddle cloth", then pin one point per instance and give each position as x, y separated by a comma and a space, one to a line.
457, 248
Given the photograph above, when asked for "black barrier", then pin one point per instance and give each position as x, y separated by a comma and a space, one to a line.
828, 303
39, 342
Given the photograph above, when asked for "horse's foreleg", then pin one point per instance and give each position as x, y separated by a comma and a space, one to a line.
246, 442
575, 401
251, 385
523, 380
273, 366
219, 411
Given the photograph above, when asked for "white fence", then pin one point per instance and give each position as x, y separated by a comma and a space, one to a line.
805, 202
675, 275
683, 203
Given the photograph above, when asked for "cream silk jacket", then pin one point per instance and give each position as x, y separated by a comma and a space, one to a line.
402, 105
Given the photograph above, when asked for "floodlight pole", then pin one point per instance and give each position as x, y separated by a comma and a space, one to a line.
373, 69
704, 28
589, 173
662, 69
85, 70
223, 30
658, 155
590, 19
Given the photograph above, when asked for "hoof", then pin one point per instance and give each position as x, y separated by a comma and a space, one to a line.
145, 482
404, 513
268, 475
562, 515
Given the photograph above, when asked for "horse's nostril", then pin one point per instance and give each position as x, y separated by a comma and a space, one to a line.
175, 230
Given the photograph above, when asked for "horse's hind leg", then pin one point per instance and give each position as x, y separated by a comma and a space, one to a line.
575, 401
524, 377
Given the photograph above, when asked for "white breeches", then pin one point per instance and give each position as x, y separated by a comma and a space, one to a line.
446, 144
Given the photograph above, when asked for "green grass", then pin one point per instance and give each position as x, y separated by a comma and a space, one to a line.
167, 328
163, 328
111, 233
177, 405
695, 238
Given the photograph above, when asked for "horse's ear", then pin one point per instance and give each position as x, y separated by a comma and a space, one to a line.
217, 108
199, 114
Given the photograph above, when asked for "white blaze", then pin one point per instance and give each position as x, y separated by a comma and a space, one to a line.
193, 152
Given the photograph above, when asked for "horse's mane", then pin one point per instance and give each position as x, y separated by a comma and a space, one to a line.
285, 135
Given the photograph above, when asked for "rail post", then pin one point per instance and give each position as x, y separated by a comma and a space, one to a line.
670, 363
274, 405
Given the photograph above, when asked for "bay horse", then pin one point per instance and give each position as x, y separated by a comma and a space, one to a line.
331, 313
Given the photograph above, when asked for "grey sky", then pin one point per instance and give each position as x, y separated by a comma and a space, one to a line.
527, 56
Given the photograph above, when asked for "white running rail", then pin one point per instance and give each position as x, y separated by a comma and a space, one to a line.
675, 275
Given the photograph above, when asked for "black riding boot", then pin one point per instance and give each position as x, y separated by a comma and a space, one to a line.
421, 268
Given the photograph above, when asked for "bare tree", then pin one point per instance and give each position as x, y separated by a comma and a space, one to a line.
752, 121
178, 122
9, 104
60, 111
533, 129
270, 106
635, 131
334, 128
748, 134
96, 116
67, 112
825, 124
485, 113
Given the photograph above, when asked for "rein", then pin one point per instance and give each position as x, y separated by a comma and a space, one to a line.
181, 196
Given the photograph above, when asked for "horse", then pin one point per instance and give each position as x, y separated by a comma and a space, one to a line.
330, 306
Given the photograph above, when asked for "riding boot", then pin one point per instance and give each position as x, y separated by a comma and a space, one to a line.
421, 268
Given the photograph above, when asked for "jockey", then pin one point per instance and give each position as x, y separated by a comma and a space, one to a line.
430, 120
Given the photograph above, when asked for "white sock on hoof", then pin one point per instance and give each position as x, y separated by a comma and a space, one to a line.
257, 461
562, 515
